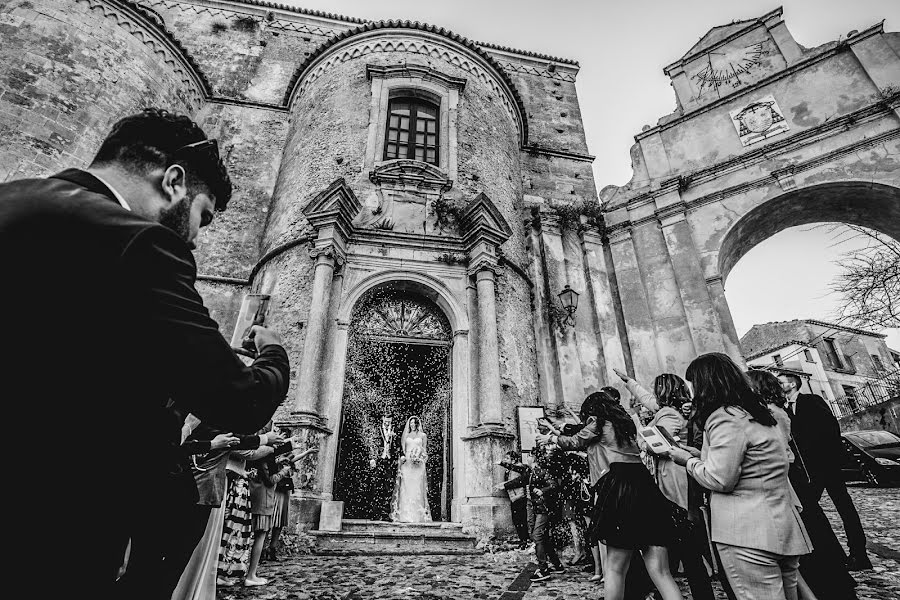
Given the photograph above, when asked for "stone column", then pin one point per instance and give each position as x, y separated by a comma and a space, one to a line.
331, 215
603, 306
701, 316
484, 230
635, 310
549, 379
488, 349
730, 338
565, 338
306, 401
674, 344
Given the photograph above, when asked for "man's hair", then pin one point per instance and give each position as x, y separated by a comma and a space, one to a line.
767, 385
795, 379
158, 139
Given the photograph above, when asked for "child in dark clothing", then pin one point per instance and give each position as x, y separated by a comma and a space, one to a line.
544, 491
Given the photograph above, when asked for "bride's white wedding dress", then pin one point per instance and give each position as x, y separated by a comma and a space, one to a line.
410, 503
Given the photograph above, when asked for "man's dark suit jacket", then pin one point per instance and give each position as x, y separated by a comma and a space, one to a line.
102, 326
818, 436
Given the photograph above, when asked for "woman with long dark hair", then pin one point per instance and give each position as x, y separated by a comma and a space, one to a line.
756, 524
630, 513
670, 393
823, 572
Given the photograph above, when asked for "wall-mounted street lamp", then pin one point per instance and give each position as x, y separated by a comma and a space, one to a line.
569, 299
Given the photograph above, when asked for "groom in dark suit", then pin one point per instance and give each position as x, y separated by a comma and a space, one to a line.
108, 345
385, 474
818, 437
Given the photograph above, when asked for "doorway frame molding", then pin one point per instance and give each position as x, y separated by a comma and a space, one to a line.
455, 310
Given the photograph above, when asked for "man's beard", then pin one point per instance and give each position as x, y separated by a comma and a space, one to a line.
178, 218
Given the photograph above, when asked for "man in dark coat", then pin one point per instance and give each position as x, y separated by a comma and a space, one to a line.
108, 344
818, 437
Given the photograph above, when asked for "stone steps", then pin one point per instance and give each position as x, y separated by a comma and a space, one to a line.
359, 537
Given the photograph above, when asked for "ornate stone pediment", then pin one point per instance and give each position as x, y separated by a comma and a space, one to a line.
482, 221
337, 206
410, 175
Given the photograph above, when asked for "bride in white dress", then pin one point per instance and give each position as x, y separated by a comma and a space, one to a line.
410, 503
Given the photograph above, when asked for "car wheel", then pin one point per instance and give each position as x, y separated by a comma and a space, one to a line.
871, 478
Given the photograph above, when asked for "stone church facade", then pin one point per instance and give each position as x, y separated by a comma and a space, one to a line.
396, 155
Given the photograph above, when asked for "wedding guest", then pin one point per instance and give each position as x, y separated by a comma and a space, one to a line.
756, 524
818, 437
268, 472
198, 579
117, 238
281, 517
569, 430
630, 512
237, 530
518, 475
823, 572
670, 393
544, 491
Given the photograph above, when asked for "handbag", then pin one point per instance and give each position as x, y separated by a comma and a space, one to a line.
516, 494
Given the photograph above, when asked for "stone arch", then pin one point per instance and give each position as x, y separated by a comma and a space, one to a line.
415, 38
426, 285
872, 205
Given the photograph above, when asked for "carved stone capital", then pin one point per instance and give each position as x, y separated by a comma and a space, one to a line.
488, 430
620, 234
330, 252
484, 263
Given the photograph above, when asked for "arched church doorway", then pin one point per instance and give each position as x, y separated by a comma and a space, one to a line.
398, 367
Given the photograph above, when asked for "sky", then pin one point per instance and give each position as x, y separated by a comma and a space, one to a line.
622, 47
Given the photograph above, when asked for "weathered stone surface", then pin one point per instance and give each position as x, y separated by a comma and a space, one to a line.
70, 68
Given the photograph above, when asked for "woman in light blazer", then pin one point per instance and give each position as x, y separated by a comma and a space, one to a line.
669, 393
755, 516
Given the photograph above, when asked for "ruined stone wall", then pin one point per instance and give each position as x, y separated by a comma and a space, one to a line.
69, 69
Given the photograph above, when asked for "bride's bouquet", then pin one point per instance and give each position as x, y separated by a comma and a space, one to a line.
417, 456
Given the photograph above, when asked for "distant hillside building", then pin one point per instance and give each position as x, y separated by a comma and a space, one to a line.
833, 360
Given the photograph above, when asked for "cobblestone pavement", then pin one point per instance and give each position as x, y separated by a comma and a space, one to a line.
500, 576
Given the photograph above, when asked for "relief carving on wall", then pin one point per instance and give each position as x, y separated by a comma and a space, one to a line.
759, 120
401, 199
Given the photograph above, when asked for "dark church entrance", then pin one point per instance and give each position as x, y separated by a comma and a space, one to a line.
398, 367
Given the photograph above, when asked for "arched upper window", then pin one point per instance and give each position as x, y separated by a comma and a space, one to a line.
412, 129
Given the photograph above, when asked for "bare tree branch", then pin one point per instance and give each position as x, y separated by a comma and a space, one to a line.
868, 284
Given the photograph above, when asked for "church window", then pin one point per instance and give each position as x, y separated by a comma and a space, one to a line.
412, 130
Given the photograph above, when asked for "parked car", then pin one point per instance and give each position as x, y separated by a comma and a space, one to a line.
871, 456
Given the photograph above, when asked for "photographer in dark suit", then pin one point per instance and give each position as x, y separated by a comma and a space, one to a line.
818, 437
108, 341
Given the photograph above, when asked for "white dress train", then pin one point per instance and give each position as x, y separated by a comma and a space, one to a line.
410, 502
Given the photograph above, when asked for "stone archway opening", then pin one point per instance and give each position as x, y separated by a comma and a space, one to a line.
791, 276
872, 205
397, 366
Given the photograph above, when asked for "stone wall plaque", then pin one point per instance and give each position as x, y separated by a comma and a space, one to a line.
758, 120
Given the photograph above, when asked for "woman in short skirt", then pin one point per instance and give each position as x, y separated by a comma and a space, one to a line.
630, 512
